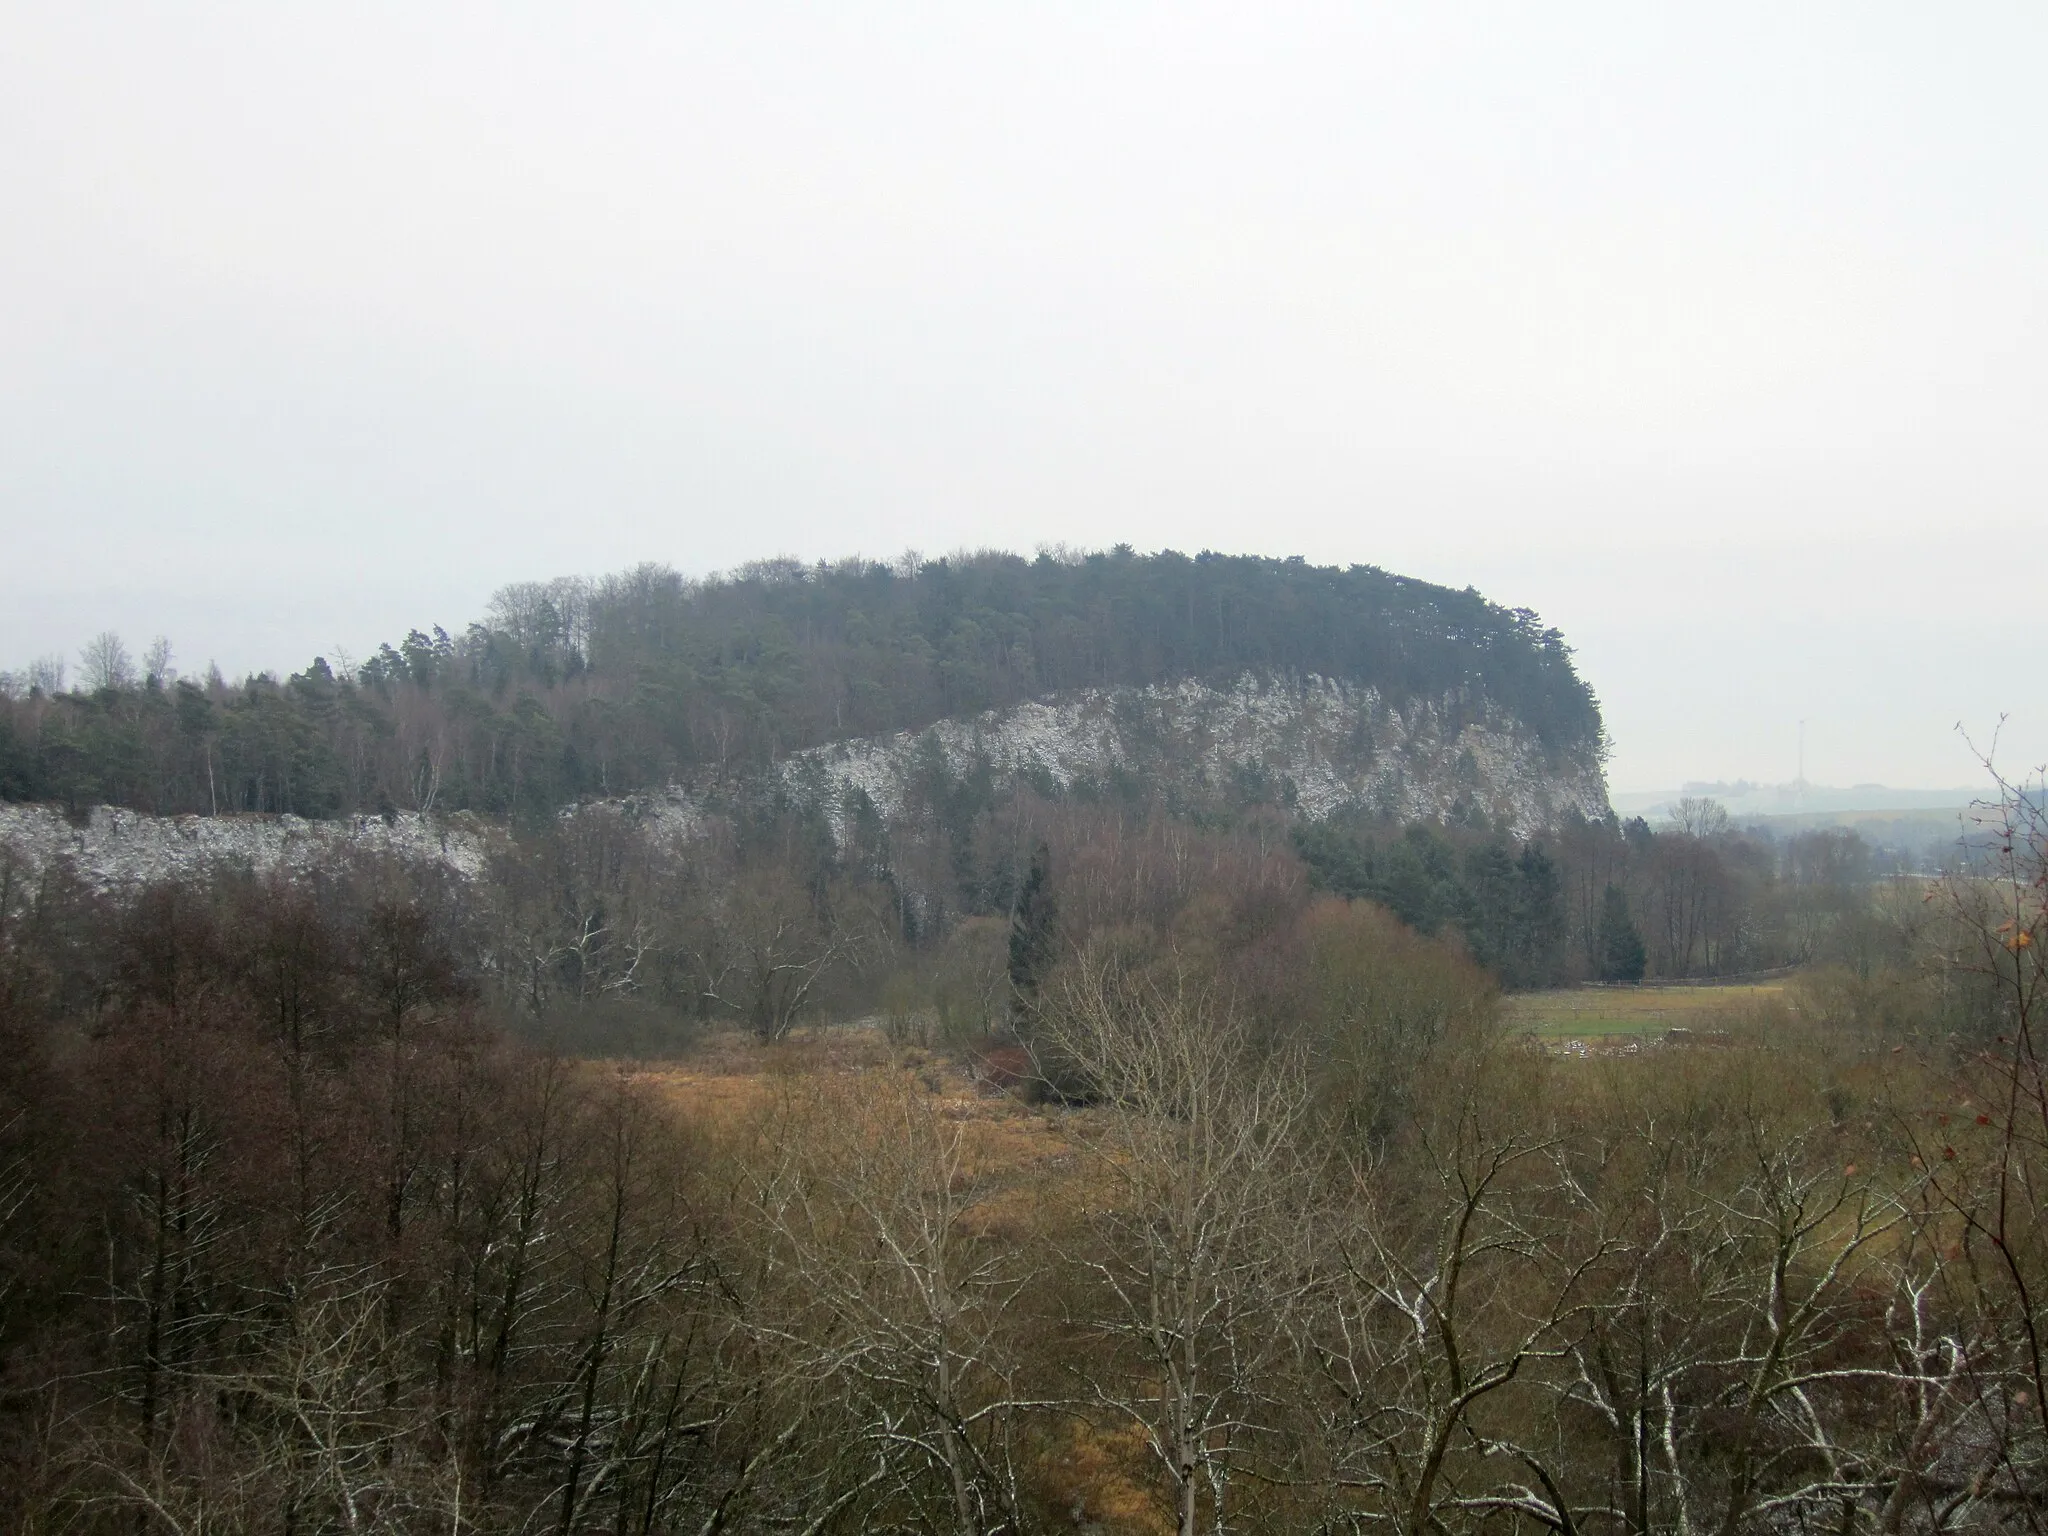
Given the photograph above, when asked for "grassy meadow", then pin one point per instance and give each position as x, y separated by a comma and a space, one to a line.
1580, 1013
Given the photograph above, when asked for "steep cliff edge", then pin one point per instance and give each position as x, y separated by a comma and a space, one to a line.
1316, 745
110, 848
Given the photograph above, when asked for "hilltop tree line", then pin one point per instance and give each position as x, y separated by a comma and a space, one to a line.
572, 690
575, 689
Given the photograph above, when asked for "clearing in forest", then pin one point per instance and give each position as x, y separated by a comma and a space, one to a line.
1584, 1012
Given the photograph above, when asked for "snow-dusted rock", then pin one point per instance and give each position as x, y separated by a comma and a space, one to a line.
1317, 743
112, 848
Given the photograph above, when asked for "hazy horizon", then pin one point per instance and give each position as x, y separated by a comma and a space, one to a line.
1716, 338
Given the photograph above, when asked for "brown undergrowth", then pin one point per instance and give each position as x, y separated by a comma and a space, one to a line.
1029, 1177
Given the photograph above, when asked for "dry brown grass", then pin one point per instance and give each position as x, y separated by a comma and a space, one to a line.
1107, 1468
733, 1077
1030, 1166
1585, 1012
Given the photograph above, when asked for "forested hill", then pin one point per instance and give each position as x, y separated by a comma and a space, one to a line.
576, 688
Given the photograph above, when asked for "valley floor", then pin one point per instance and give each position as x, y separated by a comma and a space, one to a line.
1640, 1012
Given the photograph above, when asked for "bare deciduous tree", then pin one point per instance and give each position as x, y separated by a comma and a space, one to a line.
899, 1301
105, 662
764, 948
1204, 1234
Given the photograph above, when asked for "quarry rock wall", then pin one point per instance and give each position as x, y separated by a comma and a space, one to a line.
110, 848
1315, 744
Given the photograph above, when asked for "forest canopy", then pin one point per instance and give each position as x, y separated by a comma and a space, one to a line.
576, 688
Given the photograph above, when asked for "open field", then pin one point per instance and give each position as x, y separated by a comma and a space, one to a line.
1586, 1012
734, 1085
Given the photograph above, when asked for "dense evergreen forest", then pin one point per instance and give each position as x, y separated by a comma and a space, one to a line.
573, 689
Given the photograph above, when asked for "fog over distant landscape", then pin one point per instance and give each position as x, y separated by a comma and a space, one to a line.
1716, 337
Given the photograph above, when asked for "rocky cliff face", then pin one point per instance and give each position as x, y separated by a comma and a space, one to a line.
1316, 744
113, 848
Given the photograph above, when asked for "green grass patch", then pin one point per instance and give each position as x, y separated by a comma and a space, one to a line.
1584, 1012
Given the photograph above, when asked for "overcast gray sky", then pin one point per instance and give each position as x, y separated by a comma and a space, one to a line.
1714, 333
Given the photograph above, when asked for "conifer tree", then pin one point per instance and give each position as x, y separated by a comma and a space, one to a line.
1031, 928
1622, 957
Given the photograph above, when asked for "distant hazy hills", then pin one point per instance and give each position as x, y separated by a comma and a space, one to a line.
1743, 799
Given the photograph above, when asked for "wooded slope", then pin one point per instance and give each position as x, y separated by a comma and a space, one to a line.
571, 688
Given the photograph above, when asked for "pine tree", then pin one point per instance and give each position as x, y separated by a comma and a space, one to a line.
1031, 928
1622, 957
